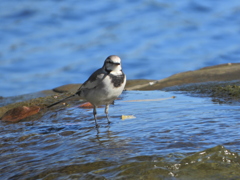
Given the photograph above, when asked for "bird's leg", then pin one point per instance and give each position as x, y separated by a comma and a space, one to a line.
95, 116
106, 112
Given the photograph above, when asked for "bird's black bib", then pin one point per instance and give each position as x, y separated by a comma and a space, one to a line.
117, 80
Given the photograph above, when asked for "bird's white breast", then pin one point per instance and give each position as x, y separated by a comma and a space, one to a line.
104, 93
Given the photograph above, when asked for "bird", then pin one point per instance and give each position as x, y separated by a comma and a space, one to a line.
103, 86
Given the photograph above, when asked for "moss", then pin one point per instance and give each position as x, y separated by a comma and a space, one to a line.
232, 91
228, 91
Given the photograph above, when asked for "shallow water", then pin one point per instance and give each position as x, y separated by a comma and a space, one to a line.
46, 44
182, 138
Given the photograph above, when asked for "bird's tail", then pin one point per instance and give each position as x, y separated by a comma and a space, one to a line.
61, 101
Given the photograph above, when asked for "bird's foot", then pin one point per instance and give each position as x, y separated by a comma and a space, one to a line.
97, 126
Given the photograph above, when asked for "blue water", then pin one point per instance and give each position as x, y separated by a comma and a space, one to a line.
45, 44
63, 143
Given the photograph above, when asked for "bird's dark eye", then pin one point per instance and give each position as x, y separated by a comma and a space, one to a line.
111, 62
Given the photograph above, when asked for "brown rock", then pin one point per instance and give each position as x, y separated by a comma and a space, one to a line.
86, 105
67, 88
18, 113
223, 72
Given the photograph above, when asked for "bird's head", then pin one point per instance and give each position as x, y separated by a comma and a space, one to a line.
112, 64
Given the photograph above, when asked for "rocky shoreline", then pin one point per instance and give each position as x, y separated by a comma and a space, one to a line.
221, 82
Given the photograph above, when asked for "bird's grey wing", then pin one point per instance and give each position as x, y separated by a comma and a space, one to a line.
94, 80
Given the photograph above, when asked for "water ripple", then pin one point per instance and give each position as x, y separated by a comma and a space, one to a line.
44, 47
166, 139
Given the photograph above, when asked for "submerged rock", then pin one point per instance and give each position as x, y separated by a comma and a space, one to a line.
214, 163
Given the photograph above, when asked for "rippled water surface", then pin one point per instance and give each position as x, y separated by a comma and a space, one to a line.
181, 138
45, 44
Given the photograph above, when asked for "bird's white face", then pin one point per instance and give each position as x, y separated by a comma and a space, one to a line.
113, 64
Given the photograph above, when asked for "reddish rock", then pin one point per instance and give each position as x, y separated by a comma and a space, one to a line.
86, 105
18, 113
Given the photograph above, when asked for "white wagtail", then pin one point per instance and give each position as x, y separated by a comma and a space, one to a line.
103, 86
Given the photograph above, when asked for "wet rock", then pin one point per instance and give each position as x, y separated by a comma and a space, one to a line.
214, 163
18, 113
229, 90
86, 105
223, 72
67, 88
138, 84
221, 92
42, 102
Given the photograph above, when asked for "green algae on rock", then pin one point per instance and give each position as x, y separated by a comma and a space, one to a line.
228, 91
231, 90
214, 163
